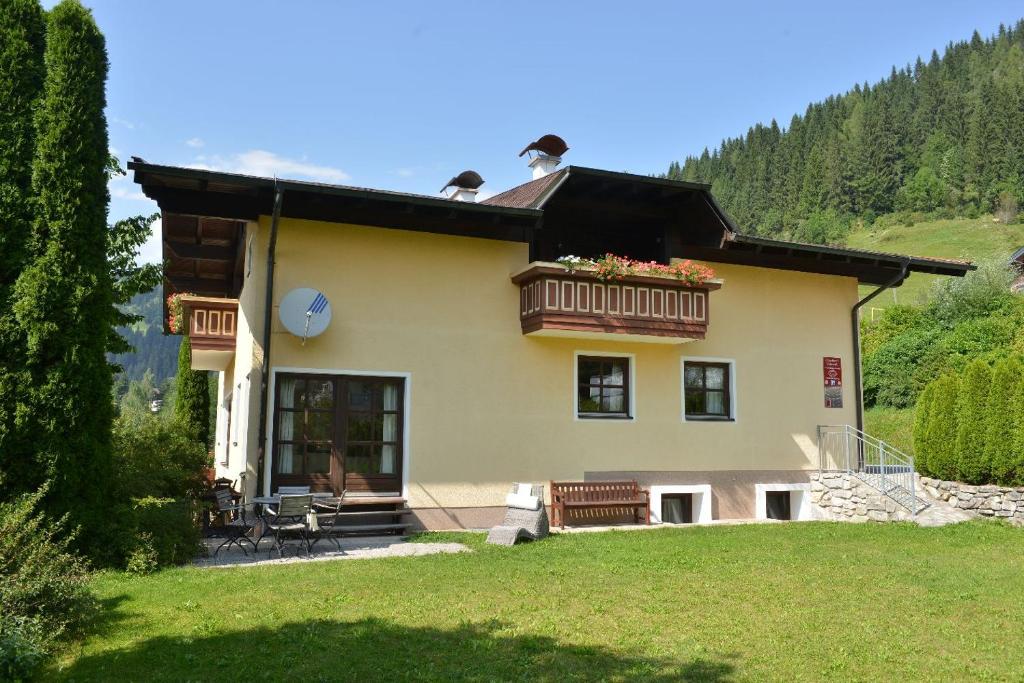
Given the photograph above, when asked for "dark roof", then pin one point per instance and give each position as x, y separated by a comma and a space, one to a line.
528, 195
603, 208
919, 264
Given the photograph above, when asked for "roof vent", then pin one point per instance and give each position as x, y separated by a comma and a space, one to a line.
549, 149
466, 185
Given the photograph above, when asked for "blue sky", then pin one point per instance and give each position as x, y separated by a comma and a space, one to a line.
404, 95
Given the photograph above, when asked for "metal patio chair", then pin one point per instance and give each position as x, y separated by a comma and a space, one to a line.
327, 526
289, 520
236, 523
292, 490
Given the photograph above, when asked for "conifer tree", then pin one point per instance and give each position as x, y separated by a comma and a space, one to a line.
22, 40
1014, 467
942, 428
63, 298
192, 401
1000, 423
973, 465
922, 421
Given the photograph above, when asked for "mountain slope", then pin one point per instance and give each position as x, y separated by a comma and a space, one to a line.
153, 350
943, 135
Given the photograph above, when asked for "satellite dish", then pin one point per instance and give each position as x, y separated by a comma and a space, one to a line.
305, 312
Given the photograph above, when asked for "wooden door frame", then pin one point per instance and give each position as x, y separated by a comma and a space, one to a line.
405, 409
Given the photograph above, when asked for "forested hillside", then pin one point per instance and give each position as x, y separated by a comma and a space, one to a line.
153, 350
944, 136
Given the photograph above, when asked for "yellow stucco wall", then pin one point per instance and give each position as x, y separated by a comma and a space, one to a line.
490, 406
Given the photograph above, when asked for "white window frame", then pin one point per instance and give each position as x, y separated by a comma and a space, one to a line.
701, 500
268, 465
799, 500
631, 358
733, 412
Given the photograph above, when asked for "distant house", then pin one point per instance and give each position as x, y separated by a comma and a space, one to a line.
460, 356
1017, 263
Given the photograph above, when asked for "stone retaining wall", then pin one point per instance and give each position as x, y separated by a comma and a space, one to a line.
989, 500
844, 497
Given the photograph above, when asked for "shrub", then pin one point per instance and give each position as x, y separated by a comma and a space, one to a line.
972, 407
1001, 420
977, 294
942, 428
155, 457
1013, 469
165, 531
922, 413
889, 371
1006, 207
44, 595
22, 648
893, 321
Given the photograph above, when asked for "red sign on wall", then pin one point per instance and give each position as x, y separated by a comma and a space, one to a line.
832, 370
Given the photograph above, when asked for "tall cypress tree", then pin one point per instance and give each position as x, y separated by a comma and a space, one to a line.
972, 405
922, 422
942, 428
22, 40
63, 299
1001, 421
192, 404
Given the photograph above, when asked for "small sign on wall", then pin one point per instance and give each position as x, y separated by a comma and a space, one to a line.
832, 370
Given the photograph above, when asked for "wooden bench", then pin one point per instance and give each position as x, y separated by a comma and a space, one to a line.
597, 497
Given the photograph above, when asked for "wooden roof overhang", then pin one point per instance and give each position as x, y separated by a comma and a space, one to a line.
869, 267
204, 214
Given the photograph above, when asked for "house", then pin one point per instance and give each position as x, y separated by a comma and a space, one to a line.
431, 350
1017, 266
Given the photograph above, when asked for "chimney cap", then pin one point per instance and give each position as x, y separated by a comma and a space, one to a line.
549, 144
469, 180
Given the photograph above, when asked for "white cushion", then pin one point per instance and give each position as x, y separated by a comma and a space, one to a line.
518, 500
524, 489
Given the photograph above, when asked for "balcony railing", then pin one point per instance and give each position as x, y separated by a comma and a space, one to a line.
212, 328
556, 302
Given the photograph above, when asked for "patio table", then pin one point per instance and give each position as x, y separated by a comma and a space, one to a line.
319, 498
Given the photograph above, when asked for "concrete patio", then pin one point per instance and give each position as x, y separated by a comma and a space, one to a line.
362, 548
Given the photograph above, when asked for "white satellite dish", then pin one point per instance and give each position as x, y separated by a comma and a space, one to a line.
305, 312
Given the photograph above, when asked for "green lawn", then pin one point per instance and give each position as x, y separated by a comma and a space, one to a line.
892, 425
801, 601
973, 239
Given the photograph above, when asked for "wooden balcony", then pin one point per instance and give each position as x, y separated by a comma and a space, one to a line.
558, 303
212, 328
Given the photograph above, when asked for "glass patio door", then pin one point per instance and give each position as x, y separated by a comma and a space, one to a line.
338, 432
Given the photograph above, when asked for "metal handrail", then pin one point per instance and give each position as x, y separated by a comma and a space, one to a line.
845, 448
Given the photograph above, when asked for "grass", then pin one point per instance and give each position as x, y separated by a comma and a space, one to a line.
799, 601
892, 425
968, 238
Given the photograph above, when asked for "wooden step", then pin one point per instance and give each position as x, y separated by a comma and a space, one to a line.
378, 500
362, 513
367, 528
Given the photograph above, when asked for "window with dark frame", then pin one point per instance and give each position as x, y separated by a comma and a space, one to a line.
777, 505
602, 387
338, 431
706, 389
305, 431
677, 508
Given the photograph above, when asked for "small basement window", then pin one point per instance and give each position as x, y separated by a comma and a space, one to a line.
677, 508
778, 504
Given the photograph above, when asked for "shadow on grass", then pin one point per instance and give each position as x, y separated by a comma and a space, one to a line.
372, 649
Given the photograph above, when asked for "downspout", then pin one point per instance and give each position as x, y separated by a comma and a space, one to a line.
268, 309
855, 322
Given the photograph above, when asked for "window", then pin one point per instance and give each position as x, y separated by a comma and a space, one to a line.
305, 425
338, 432
777, 505
226, 460
602, 387
707, 390
677, 508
